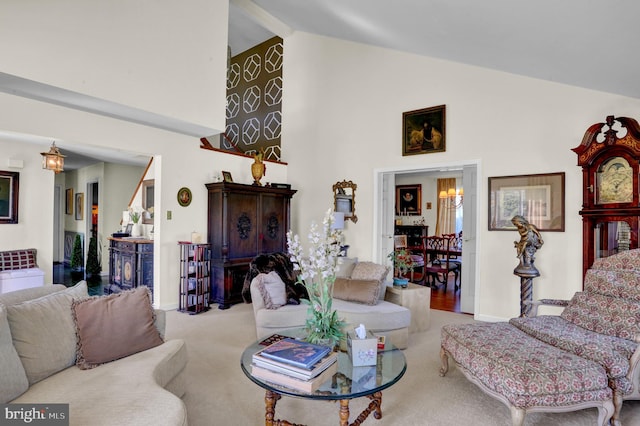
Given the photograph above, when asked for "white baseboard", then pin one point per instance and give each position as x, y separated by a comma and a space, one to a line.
488, 318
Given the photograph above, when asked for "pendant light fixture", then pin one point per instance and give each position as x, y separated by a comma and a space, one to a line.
53, 160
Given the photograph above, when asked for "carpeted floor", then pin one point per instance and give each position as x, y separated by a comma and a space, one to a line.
218, 391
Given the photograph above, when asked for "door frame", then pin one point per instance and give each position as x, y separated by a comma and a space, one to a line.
383, 202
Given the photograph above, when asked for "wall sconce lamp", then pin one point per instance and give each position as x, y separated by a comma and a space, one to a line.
454, 198
53, 160
338, 225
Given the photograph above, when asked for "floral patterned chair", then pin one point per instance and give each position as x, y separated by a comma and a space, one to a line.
599, 330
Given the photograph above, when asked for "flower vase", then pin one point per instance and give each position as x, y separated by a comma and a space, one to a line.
257, 169
323, 325
136, 230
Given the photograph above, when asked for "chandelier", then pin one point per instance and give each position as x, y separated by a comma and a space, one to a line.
453, 198
53, 160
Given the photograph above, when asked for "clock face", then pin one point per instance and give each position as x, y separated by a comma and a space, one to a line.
615, 182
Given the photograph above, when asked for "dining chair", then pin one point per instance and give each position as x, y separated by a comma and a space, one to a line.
438, 262
455, 246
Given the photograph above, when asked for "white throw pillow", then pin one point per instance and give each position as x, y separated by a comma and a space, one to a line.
273, 290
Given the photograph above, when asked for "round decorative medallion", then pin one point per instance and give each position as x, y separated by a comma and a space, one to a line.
184, 196
272, 226
244, 226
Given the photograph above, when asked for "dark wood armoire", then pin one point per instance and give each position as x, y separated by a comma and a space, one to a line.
610, 159
243, 222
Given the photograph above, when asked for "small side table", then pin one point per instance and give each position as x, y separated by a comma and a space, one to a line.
417, 299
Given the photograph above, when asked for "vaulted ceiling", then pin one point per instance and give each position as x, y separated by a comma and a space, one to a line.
594, 44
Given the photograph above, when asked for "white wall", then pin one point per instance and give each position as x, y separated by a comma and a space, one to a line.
160, 56
116, 189
343, 105
35, 205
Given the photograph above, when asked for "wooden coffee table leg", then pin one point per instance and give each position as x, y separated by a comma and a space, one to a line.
344, 412
375, 407
377, 399
270, 399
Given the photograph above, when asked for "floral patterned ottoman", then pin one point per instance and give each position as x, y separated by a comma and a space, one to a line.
525, 373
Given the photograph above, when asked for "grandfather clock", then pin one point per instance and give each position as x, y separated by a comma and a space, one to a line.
610, 161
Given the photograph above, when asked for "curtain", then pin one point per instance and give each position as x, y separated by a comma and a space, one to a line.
446, 223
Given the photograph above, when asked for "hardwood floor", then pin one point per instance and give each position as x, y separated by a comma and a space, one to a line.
445, 301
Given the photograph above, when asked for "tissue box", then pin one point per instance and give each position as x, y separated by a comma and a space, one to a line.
362, 351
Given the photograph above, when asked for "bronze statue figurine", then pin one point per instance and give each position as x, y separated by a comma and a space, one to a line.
530, 242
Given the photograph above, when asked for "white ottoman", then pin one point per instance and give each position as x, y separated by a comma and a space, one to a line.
18, 279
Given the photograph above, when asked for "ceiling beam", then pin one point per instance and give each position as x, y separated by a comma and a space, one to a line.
264, 18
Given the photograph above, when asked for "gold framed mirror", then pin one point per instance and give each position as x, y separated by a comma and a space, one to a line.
344, 199
148, 196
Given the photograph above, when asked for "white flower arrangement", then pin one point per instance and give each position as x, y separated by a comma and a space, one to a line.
318, 273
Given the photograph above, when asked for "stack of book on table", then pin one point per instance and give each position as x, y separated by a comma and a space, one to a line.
295, 364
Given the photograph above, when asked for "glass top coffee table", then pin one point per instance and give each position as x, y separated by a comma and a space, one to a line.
348, 383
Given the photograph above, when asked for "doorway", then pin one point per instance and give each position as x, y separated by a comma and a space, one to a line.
384, 218
92, 209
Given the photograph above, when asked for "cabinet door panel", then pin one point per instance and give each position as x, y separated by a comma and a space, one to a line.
128, 270
274, 226
242, 221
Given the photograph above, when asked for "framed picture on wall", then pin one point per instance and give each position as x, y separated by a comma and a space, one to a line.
9, 187
79, 206
408, 200
538, 198
423, 131
68, 204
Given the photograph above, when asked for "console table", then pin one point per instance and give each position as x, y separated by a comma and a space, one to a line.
130, 264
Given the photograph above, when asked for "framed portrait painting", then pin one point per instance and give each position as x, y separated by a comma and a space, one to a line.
68, 204
408, 200
79, 206
424, 131
9, 187
538, 198
184, 196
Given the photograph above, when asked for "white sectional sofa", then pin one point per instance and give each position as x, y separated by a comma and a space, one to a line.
140, 389
380, 317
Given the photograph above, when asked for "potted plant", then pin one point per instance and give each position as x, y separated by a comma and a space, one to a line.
93, 267
318, 274
402, 264
135, 216
77, 260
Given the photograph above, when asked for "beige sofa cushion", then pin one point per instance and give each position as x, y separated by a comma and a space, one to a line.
43, 332
113, 327
382, 316
13, 379
371, 271
345, 266
358, 291
127, 392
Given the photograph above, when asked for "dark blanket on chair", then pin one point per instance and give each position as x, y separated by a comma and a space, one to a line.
283, 266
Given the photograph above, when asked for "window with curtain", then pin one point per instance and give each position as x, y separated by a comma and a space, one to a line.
446, 222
